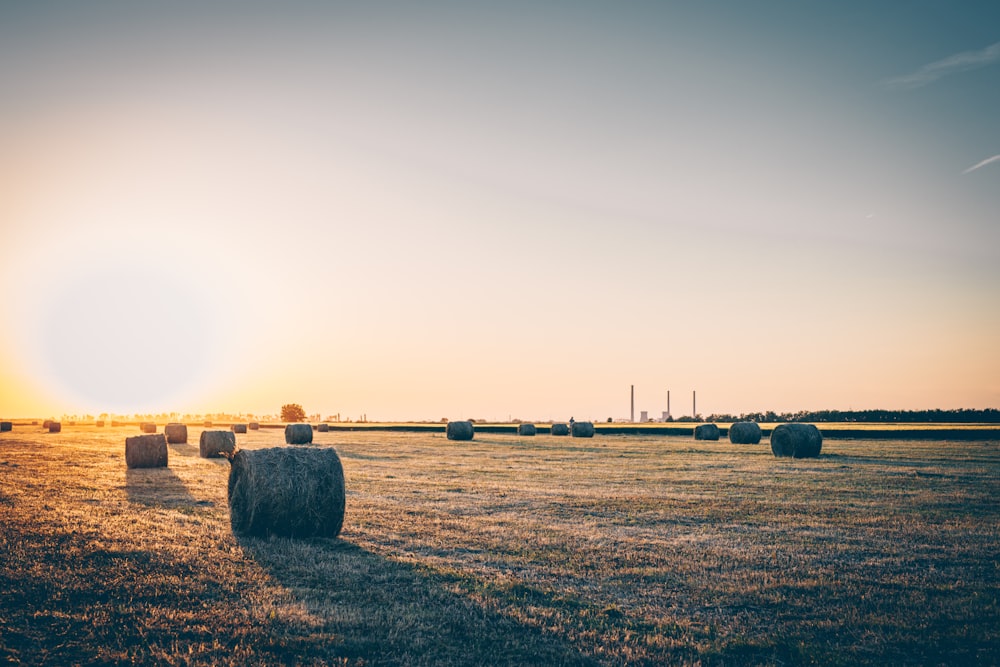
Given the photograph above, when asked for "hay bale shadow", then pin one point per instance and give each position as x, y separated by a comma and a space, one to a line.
389, 612
158, 487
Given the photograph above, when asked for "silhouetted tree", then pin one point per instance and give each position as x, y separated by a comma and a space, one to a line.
292, 412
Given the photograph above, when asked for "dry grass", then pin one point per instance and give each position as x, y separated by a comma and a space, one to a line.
508, 550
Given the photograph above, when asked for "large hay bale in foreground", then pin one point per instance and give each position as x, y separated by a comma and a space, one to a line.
287, 491
176, 433
6, 426
146, 451
239, 428
322, 428
582, 430
560, 429
298, 434
706, 432
460, 430
526, 429
254, 426
744, 433
55, 427
799, 441
215, 443
148, 427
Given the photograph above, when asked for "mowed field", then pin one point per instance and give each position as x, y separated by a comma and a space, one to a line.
507, 550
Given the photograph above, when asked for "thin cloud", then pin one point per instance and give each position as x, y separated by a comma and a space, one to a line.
985, 162
960, 62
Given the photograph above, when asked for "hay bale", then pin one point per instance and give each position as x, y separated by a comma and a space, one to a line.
744, 433
706, 432
254, 426
298, 434
176, 433
460, 430
148, 427
526, 429
560, 429
216, 443
146, 451
46, 424
99, 423
287, 491
239, 428
55, 427
323, 428
115, 423
207, 424
582, 430
799, 441
6, 426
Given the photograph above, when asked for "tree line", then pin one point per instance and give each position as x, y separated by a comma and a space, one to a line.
964, 415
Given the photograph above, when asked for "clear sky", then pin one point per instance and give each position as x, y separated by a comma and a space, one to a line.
425, 210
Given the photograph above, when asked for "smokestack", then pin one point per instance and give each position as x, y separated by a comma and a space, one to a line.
668, 402
631, 416
694, 403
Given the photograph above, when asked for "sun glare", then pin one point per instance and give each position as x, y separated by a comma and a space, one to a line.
126, 337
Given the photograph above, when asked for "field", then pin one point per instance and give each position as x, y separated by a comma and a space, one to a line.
508, 550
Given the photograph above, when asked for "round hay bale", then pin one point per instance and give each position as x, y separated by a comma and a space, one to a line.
526, 429
6, 426
207, 424
254, 426
115, 423
800, 441
287, 491
55, 427
298, 434
560, 429
582, 430
706, 432
323, 428
46, 424
215, 443
461, 430
239, 428
146, 451
99, 423
148, 427
176, 433
744, 433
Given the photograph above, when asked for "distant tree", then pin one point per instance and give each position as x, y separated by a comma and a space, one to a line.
292, 412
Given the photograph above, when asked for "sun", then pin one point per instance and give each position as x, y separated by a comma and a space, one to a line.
126, 336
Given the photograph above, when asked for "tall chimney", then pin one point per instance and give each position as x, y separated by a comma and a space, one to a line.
631, 417
694, 403
668, 402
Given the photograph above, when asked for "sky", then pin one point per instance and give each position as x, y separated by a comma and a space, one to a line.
498, 210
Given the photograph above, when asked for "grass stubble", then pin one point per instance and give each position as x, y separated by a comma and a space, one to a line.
508, 550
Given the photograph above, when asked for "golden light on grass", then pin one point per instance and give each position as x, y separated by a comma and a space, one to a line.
617, 549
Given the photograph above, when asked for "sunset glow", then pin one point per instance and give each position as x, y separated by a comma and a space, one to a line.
512, 212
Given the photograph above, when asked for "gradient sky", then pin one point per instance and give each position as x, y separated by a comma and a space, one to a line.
424, 210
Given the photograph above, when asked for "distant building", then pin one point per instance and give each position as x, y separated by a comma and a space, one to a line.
644, 416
